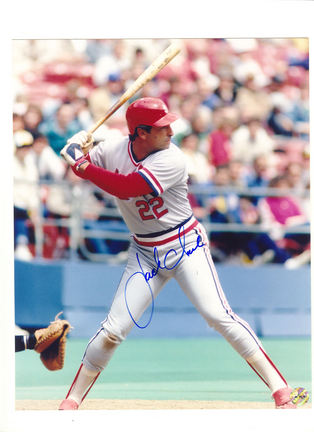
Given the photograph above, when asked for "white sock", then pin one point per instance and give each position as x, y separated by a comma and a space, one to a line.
264, 367
83, 381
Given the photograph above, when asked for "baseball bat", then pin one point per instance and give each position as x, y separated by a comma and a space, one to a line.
159, 63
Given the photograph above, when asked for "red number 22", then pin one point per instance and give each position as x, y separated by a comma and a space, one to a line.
146, 208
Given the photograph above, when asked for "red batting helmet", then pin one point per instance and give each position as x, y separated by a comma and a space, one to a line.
148, 111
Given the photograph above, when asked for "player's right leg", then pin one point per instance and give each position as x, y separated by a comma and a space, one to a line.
198, 278
134, 295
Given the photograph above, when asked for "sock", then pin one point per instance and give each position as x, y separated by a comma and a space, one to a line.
31, 341
21, 342
267, 370
81, 384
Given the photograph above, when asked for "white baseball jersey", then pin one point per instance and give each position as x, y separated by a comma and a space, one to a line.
165, 171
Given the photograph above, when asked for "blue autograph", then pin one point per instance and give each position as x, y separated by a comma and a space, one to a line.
160, 265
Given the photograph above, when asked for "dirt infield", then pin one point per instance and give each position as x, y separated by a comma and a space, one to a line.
137, 404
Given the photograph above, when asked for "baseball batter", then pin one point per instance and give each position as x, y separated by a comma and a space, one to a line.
147, 174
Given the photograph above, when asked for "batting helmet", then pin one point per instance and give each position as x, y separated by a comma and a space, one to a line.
148, 111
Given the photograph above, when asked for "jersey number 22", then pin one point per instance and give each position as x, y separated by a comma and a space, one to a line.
151, 209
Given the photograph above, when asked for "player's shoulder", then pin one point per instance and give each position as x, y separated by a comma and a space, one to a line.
173, 152
112, 145
114, 142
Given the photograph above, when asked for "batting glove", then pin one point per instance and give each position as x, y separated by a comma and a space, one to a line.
84, 139
77, 147
73, 154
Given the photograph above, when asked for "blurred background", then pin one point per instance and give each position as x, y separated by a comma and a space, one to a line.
244, 130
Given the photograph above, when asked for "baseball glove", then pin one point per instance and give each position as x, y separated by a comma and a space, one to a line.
51, 343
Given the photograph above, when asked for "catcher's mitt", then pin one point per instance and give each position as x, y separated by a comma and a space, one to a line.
51, 343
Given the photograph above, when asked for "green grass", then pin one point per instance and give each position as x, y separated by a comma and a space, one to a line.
162, 369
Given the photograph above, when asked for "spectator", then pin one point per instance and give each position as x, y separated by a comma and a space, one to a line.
60, 128
95, 49
257, 247
279, 121
175, 89
294, 173
187, 107
252, 100
60, 197
83, 112
198, 167
238, 173
49, 165
219, 205
260, 171
254, 247
281, 212
115, 89
225, 93
260, 175
250, 140
99, 102
245, 63
219, 140
25, 193
115, 61
60, 205
33, 118
300, 112
103, 97
200, 124
18, 122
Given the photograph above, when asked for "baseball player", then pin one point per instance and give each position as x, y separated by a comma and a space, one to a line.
147, 174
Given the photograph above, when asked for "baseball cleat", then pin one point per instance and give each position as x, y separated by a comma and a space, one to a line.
286, 398
68, 404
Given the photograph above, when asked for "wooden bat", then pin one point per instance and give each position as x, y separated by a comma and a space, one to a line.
159, 63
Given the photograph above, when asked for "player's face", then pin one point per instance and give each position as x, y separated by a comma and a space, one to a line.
159, 137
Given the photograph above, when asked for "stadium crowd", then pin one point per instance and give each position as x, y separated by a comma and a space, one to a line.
243, 127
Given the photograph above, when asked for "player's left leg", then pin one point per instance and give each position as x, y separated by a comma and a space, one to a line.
198, 278
134, 295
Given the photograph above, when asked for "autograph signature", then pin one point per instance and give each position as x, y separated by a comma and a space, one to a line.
160, 265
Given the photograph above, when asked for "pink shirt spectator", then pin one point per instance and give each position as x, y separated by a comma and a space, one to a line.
278, 212
219, 148
283, 208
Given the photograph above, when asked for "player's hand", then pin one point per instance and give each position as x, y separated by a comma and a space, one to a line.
84, 139
73, 154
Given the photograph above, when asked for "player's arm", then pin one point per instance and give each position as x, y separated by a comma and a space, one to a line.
119, 185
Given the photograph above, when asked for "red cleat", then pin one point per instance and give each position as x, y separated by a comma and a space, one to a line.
68, 404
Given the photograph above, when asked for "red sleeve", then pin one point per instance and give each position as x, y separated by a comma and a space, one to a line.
119, 185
